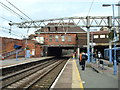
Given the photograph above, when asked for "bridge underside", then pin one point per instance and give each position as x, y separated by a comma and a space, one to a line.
58, 52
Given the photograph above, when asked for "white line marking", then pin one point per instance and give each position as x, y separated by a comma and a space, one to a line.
53, 85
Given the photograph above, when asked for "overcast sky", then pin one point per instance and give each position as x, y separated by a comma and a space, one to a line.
46, 9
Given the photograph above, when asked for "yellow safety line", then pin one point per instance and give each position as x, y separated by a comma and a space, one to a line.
78, 75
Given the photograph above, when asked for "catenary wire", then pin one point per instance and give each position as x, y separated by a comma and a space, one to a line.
21, 11
11, 33
18, 10
90, 7
12, 11
17, 33
5, 19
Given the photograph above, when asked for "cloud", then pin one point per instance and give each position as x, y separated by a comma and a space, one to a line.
45, 9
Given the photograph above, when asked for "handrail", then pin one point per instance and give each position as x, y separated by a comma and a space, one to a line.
5, 51
12, 53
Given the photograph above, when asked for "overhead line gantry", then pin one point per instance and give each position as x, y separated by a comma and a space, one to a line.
88, 21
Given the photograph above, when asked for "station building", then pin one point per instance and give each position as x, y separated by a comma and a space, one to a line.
101, 40
58, 41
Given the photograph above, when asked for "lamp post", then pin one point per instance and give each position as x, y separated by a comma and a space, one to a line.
92, 46
115, 63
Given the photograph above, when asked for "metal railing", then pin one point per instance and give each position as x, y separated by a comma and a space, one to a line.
10, 53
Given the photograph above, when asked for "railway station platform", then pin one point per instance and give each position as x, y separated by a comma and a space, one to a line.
13, 62
72, 76
69, 77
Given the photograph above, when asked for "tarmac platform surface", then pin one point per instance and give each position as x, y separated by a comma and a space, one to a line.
13, 62
71, 76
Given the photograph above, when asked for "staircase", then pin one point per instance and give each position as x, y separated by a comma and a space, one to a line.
10, 53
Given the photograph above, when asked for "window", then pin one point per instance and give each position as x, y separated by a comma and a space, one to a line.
50, 38
69, 38
102, 36
63, 38
56, 38
95, 36
107, 36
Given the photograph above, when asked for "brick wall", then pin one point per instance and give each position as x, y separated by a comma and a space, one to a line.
59, 42
38, 50
101, 40
7, 45
35, 46
82, 39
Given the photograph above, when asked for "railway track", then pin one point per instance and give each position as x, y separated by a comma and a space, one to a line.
48, 79
34, 76
20, 67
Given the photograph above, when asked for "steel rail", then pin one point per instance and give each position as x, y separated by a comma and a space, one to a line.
6, 81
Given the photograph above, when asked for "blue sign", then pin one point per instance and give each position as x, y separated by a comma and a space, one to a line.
27, 53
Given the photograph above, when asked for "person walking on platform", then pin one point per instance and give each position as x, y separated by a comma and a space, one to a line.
99, 56
83, 58
73, 55
80, 59
95, 57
